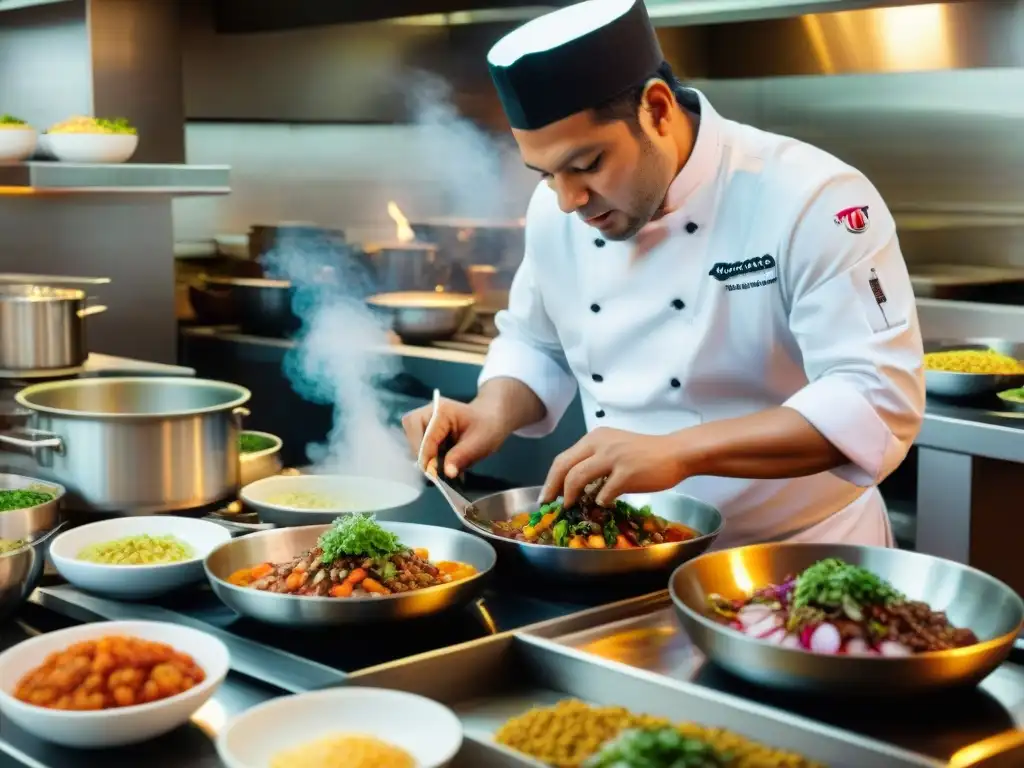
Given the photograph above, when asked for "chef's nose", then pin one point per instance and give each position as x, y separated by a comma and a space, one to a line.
572, 196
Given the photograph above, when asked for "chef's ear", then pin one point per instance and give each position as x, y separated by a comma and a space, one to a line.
660, 104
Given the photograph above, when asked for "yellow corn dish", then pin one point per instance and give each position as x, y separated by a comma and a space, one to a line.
12, 123
986, 361
138, 550
305, 500
80, 124
345, 752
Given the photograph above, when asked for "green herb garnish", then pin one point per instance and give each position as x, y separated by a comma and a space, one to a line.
610, 531
657, 748
250, 443
560, 533
116, 125
22, 499
358, 535
6, 119
628, 510
832, 583
537, 514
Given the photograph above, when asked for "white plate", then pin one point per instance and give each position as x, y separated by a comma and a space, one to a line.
429, 731
111, 727
17, 144
92, 147
136, 582
352, 494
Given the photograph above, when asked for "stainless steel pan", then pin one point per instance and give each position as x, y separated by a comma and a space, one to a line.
586, 564
421, 316
950, 384
283, 544
970, 598
43, 328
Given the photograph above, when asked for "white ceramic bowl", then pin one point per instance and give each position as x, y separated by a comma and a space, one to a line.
111, 727
351, 494
17, 144
92, 147
429, 731
136, 582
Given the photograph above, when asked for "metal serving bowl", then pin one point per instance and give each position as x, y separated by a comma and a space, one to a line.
257, 465
283, 544
951, 384
971, 599
21, 570
419, 316
586, 564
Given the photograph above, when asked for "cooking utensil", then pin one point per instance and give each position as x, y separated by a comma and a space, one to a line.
51, 280
135, 445
264, 238
110, 727
42, 328
388, 500
212, 306
1012, 399
423, 316
586, 564
475, 241
408, 266
293, 611
950, 384
257, 465
21, 570
263, 306
428, 731
969, 597
490, 286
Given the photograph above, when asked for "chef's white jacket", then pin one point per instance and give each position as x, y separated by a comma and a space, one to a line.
775, 278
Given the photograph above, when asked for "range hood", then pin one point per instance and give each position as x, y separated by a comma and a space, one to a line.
246, 16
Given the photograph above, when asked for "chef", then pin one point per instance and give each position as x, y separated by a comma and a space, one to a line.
731, 305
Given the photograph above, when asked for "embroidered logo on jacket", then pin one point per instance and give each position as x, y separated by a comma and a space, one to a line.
723, 270
854, 219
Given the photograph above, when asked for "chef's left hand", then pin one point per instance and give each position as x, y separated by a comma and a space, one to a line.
633, 464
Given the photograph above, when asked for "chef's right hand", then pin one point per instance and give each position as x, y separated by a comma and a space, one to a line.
475, 433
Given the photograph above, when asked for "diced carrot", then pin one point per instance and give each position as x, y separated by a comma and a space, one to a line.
261, 570
596, 541
520, 520
621, 542
577, 542
422, 553
342, 590
448, 566
545, 522
356, 576
650, 525
295, 580
372, 585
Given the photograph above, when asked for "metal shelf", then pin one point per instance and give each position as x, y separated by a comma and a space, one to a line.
127, 178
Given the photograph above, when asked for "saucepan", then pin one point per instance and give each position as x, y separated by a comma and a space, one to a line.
284, 544
475, 241
568, 564
42, 328
424, 316
971, 599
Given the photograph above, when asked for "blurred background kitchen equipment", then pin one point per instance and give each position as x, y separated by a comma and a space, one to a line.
264, 238
21, 570
256, 465
475, 241
261, 306
422, 316
43, 328
409, 266
178, 437
964, 385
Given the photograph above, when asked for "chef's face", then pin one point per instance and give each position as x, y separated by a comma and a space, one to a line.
613, 174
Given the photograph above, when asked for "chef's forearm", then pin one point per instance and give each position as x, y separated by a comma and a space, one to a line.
514, 403
776, 443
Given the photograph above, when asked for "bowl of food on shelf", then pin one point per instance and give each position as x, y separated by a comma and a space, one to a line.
91, 140
290, 500
110, 683
638, 534
260, 455
136, 558
29, 517
973, 367
18, 139
1012, 399
825, 617
352, 571
352, 727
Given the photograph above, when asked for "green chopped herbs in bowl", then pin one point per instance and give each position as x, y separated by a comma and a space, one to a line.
1013, 398
250, 442
10, 121
23, 498
657, 747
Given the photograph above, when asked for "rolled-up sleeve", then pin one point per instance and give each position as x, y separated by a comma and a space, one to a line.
528, 349
852, 313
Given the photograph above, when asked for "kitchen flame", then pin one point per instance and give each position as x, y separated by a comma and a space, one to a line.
404, 232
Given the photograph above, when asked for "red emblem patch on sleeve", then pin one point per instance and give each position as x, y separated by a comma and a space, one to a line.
855, 219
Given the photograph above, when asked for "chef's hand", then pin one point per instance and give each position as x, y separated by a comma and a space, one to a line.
632, 463
477, 434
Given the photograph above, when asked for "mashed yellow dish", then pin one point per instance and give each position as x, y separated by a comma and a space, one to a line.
345, 752
79, 124
12, 123
138, 550
973, 361
305, 500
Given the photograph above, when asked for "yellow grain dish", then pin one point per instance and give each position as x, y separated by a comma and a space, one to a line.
138, 550
305, 500
986, 361
101, 125
571, 732
345, 752
7, 546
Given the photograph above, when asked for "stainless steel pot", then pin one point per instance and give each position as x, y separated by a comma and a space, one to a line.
475, 241
407, 266
43, 328
421, 316
263, 306
135, 445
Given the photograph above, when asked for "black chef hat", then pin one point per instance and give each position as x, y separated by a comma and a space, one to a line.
573, 59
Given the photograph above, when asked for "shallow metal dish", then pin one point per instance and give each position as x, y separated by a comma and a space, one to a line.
21, 570
949, 384
257, 465
971, 598
283, 544
586, 564
419, 316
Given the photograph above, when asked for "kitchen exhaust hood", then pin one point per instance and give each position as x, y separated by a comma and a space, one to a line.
247, 16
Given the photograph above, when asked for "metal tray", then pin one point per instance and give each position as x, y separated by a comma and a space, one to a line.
491, 680
977, 727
